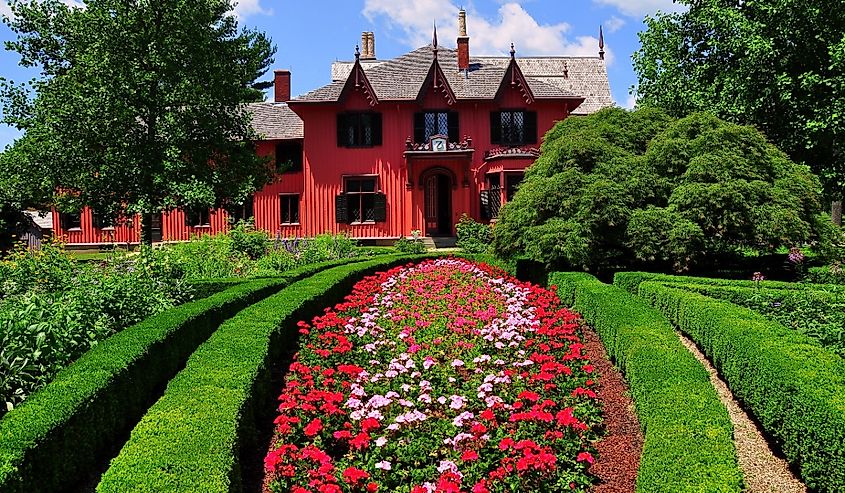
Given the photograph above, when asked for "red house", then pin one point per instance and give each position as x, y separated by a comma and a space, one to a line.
392, 146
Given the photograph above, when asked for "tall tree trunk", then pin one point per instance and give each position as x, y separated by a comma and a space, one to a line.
147, 229
836, 212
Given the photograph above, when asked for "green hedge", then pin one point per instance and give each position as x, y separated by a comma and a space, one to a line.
688, 434
203, 288
794, 388
58, 435
824, 275
630, 281
193, 437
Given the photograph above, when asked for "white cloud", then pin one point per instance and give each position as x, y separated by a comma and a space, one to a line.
5, 10
414, 18
613, 24
246, 8
639, 8
631, 102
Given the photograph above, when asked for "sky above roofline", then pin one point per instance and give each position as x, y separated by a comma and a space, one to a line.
311, 35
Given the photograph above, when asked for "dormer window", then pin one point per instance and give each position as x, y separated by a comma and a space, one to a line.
513, 128
430, 123
362, 129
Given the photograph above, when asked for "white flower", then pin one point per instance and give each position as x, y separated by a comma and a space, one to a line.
384, 465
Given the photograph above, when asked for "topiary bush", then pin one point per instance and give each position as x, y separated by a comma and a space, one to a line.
623, 189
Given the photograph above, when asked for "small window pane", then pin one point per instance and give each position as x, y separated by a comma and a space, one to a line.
368, 206
368, 185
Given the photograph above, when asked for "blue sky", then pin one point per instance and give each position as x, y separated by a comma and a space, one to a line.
310, 35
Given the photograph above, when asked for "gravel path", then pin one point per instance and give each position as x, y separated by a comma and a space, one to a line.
764, 471
622, 444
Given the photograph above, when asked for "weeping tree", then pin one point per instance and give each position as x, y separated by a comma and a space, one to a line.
140, 106
641, 189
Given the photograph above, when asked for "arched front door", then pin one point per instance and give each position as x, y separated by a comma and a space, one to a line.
438, 204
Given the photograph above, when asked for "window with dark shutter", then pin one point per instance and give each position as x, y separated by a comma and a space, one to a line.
512, 181
380, 207
341, 208
71, 221
430, 123
197, 218
361, 194
513, 128
101, 221
289, 208
359, 129
289, 156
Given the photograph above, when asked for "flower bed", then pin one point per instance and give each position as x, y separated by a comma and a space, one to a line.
445, 376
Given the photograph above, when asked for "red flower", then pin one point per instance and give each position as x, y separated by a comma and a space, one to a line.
353, 475
469, 455
313, 427
585, 457
372, 487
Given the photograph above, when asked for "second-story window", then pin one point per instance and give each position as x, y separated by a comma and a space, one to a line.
358, 129
513, 128
430, 123
289, 156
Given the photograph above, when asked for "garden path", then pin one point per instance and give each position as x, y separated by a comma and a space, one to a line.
764, 471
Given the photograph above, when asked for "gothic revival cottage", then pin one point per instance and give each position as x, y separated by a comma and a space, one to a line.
392, 146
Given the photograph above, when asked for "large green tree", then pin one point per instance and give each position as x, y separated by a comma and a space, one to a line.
639, 189
140, 105
776, 64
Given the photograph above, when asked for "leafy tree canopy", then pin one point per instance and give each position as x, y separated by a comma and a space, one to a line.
621, 188
776, 64
140, 105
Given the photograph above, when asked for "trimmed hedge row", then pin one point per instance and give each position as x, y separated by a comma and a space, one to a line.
630, 281
794, 388
192, 439
688, 434
58, 435
203, 288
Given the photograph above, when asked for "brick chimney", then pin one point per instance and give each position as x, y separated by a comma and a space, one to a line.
463, 41
281, 85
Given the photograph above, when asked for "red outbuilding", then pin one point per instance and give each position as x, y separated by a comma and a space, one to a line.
392, 146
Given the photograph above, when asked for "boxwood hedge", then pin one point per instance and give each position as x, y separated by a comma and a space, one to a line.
630, 281
193, 437
688, 434
794, 388
59, 435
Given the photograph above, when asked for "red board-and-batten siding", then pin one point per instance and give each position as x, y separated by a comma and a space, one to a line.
326, 164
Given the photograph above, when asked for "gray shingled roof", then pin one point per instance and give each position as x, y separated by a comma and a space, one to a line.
275, 121
548, 77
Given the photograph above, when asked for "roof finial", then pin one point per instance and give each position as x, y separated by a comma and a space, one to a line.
357, 53
601, 43
434, 40
513, 51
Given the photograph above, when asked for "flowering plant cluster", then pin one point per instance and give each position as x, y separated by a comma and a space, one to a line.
446, 376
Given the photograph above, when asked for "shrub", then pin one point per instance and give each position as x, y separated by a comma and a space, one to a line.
793, 387
473, 237
413, 246
688, 434
193, 437
48, 322
830, 274
247, 240
622, 188
630, 281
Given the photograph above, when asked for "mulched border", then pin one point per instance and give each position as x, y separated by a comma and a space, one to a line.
621, 446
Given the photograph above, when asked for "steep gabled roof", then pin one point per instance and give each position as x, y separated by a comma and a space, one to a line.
401, 78
437, 79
